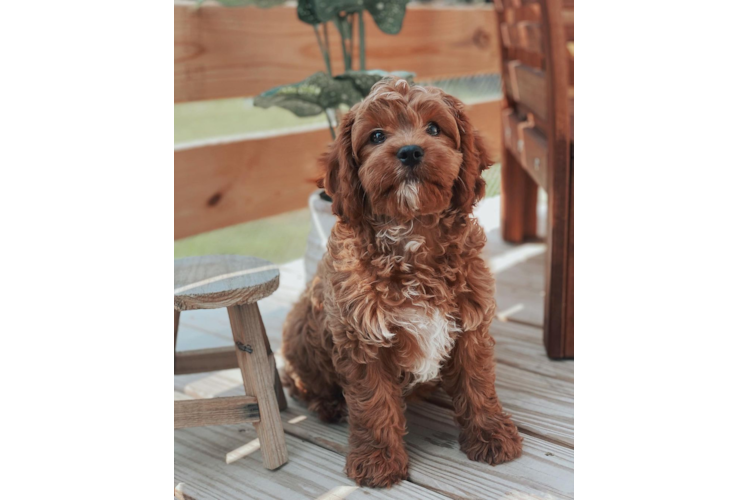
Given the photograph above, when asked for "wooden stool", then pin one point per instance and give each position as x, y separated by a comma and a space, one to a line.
236, 283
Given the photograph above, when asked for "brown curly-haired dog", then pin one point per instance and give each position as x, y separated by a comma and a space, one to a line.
402, 296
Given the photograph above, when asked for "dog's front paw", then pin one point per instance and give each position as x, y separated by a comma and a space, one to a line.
376, 467
498, 443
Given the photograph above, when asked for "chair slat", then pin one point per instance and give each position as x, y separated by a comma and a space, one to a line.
513, 126
509, 35
530, 37
523, 13
511, 129
532, 89
535, 155
528, 145
510, 82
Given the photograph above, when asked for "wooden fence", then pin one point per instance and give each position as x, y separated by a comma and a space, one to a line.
235, 52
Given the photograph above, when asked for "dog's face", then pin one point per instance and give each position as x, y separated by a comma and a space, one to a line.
403, 152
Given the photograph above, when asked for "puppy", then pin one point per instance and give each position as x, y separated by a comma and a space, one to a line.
402, 297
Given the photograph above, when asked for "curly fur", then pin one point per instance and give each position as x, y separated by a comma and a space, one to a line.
402, 296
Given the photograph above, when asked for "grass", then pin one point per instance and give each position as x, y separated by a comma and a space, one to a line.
194, 121
278, 239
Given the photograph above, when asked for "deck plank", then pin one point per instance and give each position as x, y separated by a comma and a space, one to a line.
541, 406
438, 464
521, 346
541, 403
519, 305
538, 393
312, 471
538, 404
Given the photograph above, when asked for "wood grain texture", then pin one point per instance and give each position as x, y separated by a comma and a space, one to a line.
184, 492
176, 327
535, 155
537, 391
212, 281
530, 36
224, 184
220, 185
532, 89
518, 201
205, 360
218, 411
259, 381
221, 52
312, 471
528, 145
539, 405
558, 300
569, 331
437, 463
517, 304
511, 124
521, 346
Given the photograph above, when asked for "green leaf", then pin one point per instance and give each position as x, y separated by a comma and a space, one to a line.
326, 10
305, 12
311, 96
388, 14
363, 81
320, 91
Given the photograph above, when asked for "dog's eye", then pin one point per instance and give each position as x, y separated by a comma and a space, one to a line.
432, 128
377, 137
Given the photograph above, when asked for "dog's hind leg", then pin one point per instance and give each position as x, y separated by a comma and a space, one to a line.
309, 372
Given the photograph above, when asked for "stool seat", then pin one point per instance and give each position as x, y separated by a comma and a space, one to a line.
214, 281
235, 282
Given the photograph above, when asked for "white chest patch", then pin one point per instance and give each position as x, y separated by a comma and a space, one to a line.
435, 336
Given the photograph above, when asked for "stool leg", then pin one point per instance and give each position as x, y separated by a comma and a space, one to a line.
279, 395
249, 335
176, 330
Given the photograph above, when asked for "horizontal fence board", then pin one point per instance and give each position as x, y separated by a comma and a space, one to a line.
222, 52
225, 184
221, 185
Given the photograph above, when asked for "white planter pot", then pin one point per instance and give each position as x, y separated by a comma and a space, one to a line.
316, 244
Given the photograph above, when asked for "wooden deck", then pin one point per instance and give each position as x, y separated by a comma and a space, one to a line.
539, 393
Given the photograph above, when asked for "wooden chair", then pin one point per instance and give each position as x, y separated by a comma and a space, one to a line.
236, 283
537, 70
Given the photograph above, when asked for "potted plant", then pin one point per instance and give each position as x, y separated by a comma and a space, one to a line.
331, 94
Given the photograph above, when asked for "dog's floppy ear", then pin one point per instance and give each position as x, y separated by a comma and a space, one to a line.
341, 180
470, 187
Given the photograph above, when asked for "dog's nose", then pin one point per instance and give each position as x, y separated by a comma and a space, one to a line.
411, 155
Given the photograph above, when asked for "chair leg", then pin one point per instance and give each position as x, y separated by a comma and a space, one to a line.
251, 350
530, 206
558, 327
569, 336
519, 198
